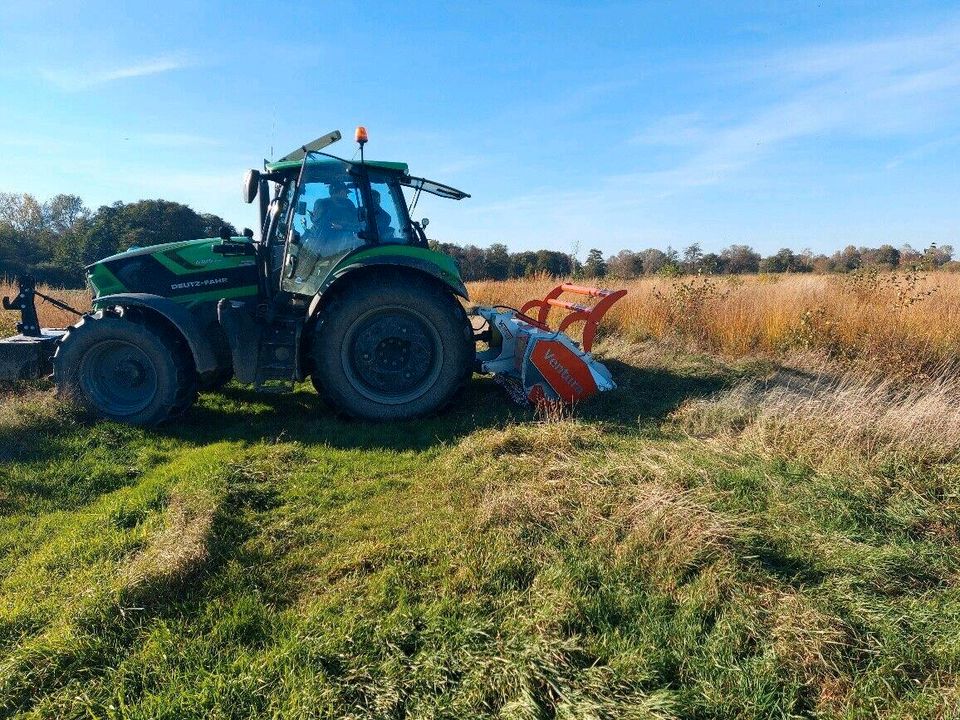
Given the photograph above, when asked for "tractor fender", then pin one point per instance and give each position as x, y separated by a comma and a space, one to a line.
199, 342
453, 283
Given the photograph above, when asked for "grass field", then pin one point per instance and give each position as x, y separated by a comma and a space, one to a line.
748, 528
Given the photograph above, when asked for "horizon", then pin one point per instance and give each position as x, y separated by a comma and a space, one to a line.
803, 126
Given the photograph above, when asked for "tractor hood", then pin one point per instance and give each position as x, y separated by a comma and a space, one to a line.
180, 269
161, 248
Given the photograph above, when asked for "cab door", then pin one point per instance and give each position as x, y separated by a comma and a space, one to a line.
328, 221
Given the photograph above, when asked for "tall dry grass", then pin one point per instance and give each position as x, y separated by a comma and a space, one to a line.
829, 421
896, 323
902, 324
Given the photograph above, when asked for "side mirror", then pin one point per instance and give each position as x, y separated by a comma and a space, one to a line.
301, 208
251, 183
424, 222
248, 233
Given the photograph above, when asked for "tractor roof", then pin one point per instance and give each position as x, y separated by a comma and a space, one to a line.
416, 183
281, 165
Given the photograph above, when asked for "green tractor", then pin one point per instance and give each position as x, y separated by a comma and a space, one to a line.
341, 287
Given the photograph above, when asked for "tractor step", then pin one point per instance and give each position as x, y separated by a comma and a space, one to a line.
278, 362
27, 357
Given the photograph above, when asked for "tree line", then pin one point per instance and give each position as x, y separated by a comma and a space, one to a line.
54, 240
497, 263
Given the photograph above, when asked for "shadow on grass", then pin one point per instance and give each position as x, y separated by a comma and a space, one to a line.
239, 413
644, 396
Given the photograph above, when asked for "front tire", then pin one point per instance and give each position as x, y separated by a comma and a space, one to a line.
125, 369
391, 346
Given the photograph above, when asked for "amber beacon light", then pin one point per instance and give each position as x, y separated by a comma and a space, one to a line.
360, 135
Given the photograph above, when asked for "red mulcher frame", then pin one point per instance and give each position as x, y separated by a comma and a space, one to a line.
590, 315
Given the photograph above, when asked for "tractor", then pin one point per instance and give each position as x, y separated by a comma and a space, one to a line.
341, 287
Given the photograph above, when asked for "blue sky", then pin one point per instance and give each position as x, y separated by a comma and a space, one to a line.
605, 124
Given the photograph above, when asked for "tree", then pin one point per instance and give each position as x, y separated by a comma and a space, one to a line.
847, 259
738, 259
212, 224
594, 267
626, 265
22, 212
55, 239
909, 256
42, 239
888, 256
553, 263
62, 213
821, 263
785, 261
935, 257
496, 262
472, 263
653, 261
711, 264
523, 264
22, 217
692, 257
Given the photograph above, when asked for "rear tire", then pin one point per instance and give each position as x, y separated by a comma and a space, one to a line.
391, 346
125, 369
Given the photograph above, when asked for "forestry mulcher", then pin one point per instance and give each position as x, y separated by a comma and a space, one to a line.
341, 287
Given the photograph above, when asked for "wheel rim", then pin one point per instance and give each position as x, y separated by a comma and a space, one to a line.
118, 377
392, 355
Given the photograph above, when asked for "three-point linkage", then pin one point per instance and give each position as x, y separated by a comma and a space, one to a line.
25, 302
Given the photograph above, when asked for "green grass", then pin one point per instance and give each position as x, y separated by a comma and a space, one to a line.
656, 555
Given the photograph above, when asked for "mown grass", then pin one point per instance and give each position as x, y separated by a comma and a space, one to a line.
713, 540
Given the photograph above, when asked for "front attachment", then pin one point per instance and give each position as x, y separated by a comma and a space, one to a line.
27, 356
536, 364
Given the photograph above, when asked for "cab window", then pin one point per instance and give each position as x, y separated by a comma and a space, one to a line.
387, 199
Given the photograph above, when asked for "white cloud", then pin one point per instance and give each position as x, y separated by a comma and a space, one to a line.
674, 130
901, 87
74, 80
922, 151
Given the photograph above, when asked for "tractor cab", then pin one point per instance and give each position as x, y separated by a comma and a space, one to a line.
325, 210
337, 208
